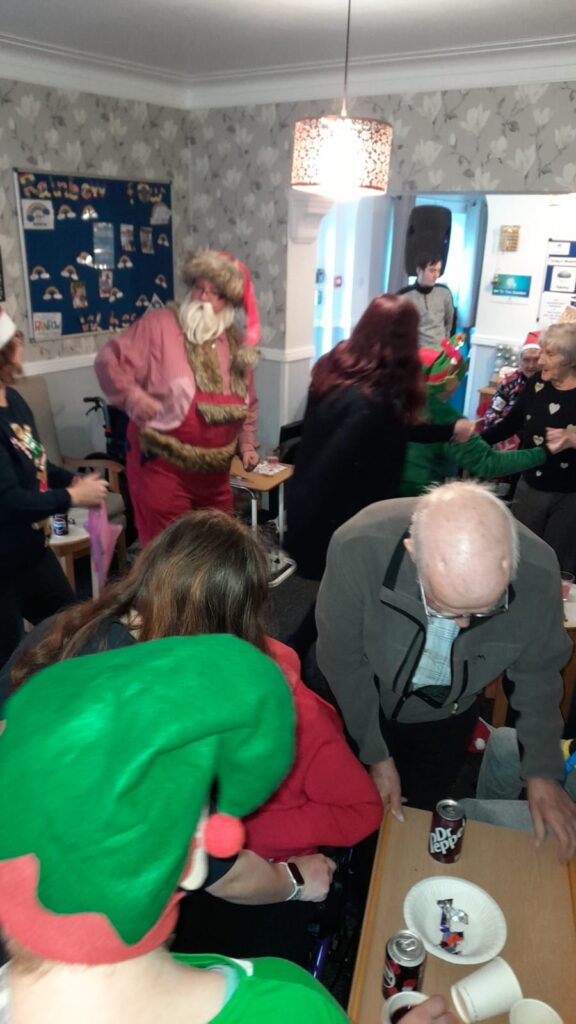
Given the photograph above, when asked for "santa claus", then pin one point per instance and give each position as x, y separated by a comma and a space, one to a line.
184, 376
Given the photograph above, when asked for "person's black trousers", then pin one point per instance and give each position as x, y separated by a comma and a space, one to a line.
33, 593
429, 755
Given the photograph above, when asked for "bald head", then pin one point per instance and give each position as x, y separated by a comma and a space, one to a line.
463, 540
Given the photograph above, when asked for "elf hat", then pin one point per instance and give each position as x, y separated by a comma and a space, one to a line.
443, 365
231, 278
531, 343
106, 764
7, 328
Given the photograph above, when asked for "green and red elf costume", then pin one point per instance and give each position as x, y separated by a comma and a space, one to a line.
106, 774
180, 459
425, 464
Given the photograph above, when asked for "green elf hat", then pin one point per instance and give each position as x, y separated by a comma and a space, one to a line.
443, 365
106, 765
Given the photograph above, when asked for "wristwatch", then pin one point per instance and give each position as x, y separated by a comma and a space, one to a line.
296, 878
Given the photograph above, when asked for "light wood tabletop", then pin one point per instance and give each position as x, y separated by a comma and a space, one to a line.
259, 481
536, 894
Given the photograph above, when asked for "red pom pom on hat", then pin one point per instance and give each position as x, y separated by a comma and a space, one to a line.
222, 835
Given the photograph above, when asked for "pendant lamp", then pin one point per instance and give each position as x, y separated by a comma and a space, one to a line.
341, 157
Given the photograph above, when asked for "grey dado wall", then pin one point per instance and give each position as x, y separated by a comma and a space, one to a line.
230, 169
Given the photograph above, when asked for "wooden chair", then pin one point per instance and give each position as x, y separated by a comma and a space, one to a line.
34, 390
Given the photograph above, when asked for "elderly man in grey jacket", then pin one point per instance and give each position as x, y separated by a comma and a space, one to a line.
425, 601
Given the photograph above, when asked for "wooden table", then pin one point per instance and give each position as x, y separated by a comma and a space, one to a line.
256, 484
536, 894
67, 548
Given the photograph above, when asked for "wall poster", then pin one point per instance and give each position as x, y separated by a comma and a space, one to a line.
97, 251
559, 289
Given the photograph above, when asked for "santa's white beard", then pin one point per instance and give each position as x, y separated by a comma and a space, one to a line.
201, 324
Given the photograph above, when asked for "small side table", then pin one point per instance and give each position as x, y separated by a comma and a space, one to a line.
72, 545
258, 483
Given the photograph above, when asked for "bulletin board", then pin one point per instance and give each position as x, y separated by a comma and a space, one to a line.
559, 289
97, 251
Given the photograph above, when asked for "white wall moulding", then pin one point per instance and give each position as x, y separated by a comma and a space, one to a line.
280, 355
35, 368
305, 211
548, 60
25, 61
489, 341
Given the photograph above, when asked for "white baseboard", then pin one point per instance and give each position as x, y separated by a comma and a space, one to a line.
280, 355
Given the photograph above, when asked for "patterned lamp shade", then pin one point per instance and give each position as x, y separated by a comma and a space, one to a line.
341, 157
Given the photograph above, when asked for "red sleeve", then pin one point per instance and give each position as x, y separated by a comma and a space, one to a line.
122, 366
248, 440
328, 799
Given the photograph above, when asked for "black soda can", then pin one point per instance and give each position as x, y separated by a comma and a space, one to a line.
403, 964
60, 525
447, 831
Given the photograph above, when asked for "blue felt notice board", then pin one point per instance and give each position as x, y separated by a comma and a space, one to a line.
97, 251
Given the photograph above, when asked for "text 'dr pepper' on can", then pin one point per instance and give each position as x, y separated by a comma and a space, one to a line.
447, 831
403, 963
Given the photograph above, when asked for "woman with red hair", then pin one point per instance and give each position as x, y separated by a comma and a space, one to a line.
364, 402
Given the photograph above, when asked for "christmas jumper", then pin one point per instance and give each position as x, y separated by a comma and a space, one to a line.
539, 406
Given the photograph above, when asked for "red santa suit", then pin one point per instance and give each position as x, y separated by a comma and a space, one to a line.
207, 408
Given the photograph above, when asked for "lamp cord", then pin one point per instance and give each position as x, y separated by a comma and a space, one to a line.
344, 111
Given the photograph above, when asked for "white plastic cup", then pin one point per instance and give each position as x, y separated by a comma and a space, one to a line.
400, 1001
491, 990
532, 1011
567, 579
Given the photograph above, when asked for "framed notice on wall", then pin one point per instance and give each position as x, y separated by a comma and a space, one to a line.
97, 251
559, 289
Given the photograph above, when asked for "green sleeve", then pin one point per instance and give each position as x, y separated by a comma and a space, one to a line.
441, 411
481, 460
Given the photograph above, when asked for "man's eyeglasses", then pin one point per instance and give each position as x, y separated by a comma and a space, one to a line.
498, 609
207, 291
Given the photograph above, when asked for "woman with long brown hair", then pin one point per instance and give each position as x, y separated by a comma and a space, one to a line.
365, 400
206, 573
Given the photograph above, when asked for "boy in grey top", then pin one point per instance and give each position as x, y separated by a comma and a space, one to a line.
433, 301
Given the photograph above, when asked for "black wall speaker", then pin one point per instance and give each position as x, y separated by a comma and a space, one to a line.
428, 232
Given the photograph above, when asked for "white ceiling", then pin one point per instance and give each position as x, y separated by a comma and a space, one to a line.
195, 53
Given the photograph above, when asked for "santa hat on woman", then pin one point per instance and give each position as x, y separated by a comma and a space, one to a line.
531, 343
233, 281
7, 327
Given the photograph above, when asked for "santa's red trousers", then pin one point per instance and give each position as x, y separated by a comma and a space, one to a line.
162, 492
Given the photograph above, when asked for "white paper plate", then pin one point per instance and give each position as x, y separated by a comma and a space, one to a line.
484, 935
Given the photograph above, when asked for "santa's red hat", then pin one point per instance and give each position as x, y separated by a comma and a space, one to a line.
7, 327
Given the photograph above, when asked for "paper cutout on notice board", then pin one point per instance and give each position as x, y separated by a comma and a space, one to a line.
38, 214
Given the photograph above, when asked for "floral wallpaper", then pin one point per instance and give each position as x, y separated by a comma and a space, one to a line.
230, 168
59, 130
